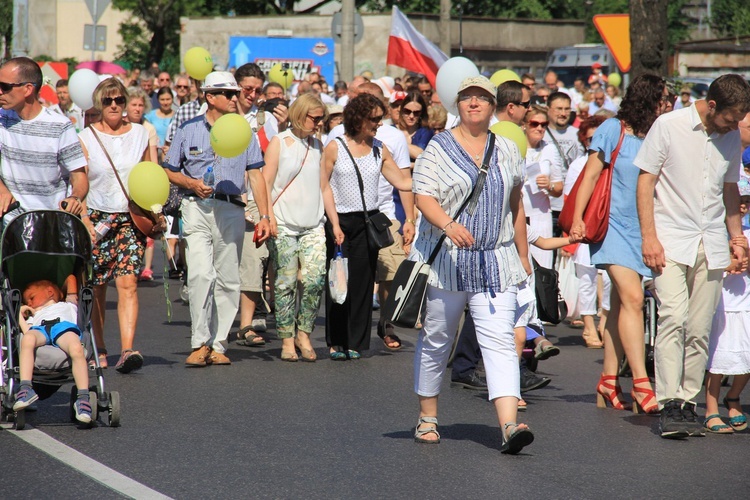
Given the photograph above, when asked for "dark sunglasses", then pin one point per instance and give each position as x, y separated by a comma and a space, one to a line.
229, 94
410, 112
181, 87
315, 119
535, 124
7, 87
119, 100
375, 119
524, 104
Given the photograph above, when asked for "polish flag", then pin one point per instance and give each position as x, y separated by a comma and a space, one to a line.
409, 49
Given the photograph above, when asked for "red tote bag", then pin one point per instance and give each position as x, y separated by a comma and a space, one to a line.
596, 213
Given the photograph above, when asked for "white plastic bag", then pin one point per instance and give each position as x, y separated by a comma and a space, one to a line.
568, 284
338, 277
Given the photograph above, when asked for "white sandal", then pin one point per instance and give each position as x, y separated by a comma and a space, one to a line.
418, 433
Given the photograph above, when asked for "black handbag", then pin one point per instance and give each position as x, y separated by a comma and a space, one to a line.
172, 205
406, 295
550, 304
378, 224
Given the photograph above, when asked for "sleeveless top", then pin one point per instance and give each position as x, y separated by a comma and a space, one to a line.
344, 183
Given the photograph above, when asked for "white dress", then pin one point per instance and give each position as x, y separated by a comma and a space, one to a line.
729, 345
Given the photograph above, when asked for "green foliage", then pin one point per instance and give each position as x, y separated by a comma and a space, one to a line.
730, 17
6, 26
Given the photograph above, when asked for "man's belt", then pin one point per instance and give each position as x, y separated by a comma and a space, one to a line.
234, 199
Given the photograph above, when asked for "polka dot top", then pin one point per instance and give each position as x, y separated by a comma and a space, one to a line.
345, 185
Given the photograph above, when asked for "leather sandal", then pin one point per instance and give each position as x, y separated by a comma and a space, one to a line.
738, 422
247, 337
721, 428
516, 440
430, 429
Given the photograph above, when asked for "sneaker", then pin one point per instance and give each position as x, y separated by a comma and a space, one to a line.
199, 357
146, 275
219, 358
530, 381
472, 382
672, 422
692, 422
83, 410
375, 302
259, 324
184, 294
24, 397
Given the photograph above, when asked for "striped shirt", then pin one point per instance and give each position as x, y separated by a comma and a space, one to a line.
192, 154
447, 173
37, 157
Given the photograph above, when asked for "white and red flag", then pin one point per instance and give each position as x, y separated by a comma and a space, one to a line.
409, 49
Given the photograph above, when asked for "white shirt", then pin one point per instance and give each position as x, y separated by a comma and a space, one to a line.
545, 158
396, 143
571, 147
692, 168
66, 311
582, 255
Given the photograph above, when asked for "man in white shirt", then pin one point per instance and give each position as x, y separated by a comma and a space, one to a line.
687, 199
39, 149
67, 106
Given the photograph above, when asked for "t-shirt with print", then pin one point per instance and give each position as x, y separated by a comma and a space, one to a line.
37, 157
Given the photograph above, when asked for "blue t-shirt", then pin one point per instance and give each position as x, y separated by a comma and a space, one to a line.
160, 124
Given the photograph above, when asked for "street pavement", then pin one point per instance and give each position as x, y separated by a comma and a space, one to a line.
263, 428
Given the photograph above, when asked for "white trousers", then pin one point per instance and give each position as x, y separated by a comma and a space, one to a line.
213, 232
493, 321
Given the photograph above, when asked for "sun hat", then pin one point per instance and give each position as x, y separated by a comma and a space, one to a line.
220, 80
480, 82
398, 95
334, 109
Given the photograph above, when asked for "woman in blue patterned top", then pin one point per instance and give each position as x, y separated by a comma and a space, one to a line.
481, 262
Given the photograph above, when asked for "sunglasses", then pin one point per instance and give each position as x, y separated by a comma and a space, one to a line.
483, 98
181, 87
119, 100
524, 104
229, 94
7, 87
535, 124
252, 90
410, 112
375, 119
315, 119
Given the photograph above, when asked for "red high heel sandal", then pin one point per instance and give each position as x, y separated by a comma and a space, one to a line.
606, 391
642, 405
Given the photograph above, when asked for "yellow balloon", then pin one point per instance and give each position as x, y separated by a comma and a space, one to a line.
231, 135
148, 185
198, 63
615, 79
504, 75
284, 77
511, 131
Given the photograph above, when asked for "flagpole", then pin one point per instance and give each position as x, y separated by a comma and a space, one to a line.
445, 26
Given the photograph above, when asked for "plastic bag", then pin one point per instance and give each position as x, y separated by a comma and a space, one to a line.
568, 284
338, 277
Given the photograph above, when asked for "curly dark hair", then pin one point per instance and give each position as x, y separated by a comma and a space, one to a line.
358, 110
415, 96
641, 102
588, 124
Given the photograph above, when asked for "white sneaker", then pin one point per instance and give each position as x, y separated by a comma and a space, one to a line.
258, 324
184, 293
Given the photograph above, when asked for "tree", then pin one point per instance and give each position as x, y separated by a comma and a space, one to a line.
648, 37
730, 17
6, 27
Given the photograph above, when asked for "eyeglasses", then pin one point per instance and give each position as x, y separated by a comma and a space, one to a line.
535, 124
252, 90
119, 100
524, 104
665, 98
410, 112
181, 87
375, 119
467, 98
315, 119
229, 94
426, 92
7, 87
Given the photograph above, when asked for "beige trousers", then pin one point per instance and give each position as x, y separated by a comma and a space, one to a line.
689, 296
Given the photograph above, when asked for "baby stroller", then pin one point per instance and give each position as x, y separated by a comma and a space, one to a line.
50, 245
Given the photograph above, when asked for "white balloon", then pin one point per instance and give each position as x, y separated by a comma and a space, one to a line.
449, 78
81, 88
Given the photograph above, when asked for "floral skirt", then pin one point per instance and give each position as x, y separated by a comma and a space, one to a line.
120, 252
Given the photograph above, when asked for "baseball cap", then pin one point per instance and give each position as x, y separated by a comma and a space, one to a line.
396, 96
596, 66
220, 80
480, 82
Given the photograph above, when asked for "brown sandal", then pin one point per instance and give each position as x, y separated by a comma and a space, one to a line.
247, 337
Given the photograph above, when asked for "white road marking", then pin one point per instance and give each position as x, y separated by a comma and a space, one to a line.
83, 464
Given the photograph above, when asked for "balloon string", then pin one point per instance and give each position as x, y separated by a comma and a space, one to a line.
167, 260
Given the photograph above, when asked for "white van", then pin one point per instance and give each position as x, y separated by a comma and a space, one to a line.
576, 60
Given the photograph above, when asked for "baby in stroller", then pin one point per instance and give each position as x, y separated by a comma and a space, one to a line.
45, 319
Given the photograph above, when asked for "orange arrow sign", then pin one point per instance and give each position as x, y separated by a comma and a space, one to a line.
615, 31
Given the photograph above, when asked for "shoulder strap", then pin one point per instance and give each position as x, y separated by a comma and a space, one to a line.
309, 143
359, 176
111, 163
559, 150
474, 195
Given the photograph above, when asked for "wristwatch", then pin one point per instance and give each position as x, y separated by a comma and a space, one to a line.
267, 217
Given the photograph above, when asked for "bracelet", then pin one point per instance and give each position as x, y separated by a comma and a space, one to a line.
412, 221
267, 217
448, 225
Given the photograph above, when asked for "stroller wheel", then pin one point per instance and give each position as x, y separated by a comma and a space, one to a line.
20, 420
94, 408
113, 409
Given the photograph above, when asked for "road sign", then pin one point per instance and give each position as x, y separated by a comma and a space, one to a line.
97, 8
615, 31
89, 37
336, 25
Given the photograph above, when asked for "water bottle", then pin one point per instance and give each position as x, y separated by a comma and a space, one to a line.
103, 227
208, 177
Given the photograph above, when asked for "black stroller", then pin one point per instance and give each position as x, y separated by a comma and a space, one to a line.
50, 245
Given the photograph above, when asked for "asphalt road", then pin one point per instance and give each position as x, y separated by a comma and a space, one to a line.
263, 428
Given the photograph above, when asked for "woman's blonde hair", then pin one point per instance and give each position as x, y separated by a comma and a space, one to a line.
534, 110
301, 107
139, 93
109, 87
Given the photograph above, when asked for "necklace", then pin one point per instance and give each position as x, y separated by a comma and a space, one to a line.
472, 152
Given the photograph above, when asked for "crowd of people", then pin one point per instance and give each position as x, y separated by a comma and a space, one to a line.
255, 234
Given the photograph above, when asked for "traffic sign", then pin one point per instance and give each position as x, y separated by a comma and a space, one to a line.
615, 31
337, 24
97, 8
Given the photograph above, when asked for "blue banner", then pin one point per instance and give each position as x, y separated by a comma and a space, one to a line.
303, 55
